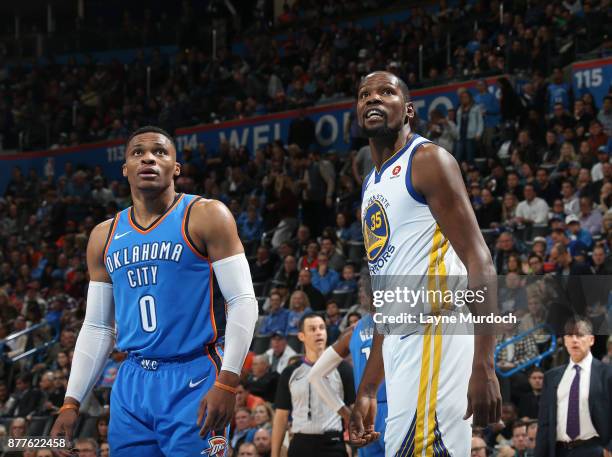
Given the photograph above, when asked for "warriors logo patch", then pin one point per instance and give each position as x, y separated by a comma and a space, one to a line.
375, 230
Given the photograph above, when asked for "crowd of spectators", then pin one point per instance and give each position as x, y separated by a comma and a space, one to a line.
536, 165
68, 104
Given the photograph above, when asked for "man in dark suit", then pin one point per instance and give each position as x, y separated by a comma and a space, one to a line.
566, 287
575, 417
26, 400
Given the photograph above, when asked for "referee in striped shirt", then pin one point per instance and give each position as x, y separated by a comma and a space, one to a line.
317, 430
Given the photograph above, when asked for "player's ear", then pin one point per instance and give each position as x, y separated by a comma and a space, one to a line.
177, 169
300, 336
409, 107
124, 170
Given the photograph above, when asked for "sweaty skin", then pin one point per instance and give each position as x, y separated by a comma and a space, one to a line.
435, 175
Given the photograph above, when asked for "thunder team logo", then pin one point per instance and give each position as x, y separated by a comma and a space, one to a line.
375, 230
218, 446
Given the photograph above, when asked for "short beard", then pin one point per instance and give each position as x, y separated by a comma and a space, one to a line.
381, 132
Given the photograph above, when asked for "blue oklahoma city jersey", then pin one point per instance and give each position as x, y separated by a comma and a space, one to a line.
167, 302
360, 347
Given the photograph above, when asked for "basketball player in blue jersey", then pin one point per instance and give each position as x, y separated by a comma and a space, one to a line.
417, 220
356, 341
162, 273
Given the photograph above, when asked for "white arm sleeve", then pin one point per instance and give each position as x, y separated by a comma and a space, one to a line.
328, 362
95, 341
234, 278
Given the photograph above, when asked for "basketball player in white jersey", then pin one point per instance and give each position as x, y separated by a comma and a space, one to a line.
418, 221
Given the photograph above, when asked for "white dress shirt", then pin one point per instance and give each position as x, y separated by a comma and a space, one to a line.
587, 430
571, 205
536, 210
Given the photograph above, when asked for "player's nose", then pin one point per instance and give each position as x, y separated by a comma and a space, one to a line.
373, 99
148, 158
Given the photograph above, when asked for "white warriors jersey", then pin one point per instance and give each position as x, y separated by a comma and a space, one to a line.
400, 234
406, 248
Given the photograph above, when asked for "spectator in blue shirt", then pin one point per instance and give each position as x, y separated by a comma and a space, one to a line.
251, 227
575, 247
576, 232
348, 283
333, 319
62, 267
558, 91
277, 319
470, 127
298, 305
342, 231
355, 232
324, 278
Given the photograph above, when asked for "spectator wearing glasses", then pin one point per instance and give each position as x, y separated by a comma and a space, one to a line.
575, 409
479, 447
536, 264
18, 428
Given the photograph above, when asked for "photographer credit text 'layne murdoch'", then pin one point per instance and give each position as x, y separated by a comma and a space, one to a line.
437, 319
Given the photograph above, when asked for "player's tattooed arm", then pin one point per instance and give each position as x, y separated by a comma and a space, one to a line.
436, 175
363, 415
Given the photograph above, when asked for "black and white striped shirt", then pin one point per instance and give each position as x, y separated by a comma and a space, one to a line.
309, 412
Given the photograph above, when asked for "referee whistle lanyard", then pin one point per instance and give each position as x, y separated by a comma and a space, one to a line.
310, 364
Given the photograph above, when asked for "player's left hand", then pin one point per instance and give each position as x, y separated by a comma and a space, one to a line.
218, 407
484, 397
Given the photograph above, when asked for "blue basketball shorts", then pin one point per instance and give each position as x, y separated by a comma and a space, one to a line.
377, 448
154, 408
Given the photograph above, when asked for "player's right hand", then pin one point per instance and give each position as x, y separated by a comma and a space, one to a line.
484, 397
64, 427
361, 425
